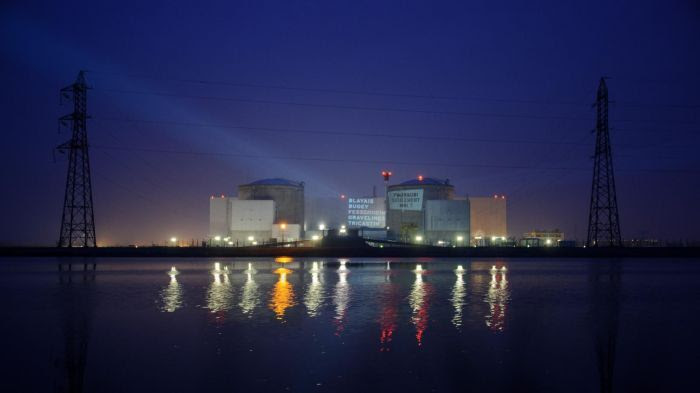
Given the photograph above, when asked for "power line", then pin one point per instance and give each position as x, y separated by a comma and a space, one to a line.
370, 108
393, 94
350, 107
334, 133
374, 162
381, 134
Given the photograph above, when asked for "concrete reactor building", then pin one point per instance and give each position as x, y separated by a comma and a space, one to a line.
488, 220
268, 210
425, 210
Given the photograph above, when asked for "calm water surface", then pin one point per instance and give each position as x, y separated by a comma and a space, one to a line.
537, 325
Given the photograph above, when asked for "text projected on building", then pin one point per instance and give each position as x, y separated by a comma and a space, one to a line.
366, 213
406, 200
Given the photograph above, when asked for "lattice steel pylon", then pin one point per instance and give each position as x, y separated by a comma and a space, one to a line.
603, 218
78, 219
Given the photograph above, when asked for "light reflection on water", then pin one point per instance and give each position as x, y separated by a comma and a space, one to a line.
171, 296
562, 334
314, 295
341, 298
458, 294
282, 296
419, 300
497, 298
250, 297
220, 294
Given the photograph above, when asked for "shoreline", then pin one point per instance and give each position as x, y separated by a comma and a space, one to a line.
356, 252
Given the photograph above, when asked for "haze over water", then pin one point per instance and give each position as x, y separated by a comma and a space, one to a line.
553, 325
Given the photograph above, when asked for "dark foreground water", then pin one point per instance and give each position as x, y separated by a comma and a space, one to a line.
540, 325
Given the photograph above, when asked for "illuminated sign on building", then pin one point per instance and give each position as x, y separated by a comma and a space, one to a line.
406, 200
366, 213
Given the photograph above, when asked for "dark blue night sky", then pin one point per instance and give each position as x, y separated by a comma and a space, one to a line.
190, 100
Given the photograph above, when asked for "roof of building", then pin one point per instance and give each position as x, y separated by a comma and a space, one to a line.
426, 181
276, 181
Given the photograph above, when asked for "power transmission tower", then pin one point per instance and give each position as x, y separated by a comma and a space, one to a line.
78, 220
603, 219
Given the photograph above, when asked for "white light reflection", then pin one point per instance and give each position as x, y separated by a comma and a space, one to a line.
497, 298
341, 298
458, 293
419, 307
250, 297
313, 300
220, 294
171, 295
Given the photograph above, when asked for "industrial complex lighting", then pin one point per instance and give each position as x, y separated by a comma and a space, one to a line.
460, 238
548, 241
283, 226
419, 238
343, 230
321, 227
217, 238
255, 243
230, 243
173, 239
314, 237
251, 238
386, 175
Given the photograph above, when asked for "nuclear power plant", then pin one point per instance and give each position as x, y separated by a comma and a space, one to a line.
265, 211
424, 210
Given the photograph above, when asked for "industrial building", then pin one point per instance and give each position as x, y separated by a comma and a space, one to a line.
425, 210
488, 224
539, 238
268, 210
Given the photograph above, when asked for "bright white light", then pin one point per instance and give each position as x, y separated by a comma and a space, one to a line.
217, 238
493, 267
548, 241
251, 238
493, 238
503, 269
503, 238
419, 238
217, 266
460, 238
230, 243
314, 237
314, 268
321, 227
440, 242
173, 239
419, 268
255, 243
227, 238
460, 268
343, 230
342, 227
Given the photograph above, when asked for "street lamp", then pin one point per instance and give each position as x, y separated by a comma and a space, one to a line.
173, 240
